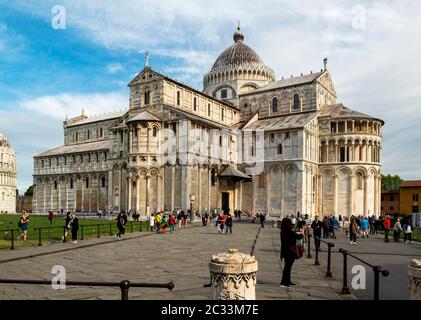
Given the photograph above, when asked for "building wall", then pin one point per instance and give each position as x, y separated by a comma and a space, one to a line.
390, 202
406, 200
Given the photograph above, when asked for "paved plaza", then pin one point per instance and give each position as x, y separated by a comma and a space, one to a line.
183, 257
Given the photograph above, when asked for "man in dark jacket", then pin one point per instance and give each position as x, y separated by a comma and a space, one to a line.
74, 225
317, 226
262, 220
121, 224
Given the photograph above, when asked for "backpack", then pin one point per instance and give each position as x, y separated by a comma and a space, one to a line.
298, 251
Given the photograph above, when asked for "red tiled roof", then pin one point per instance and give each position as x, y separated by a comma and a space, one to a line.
411, 184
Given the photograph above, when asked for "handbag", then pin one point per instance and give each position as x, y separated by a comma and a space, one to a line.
298, 251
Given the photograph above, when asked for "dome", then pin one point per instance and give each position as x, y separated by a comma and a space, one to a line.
239, 54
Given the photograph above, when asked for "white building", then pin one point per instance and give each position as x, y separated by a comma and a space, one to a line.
7, 177
246, 142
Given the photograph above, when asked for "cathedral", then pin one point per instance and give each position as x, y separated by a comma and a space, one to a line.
7, 176
246, 141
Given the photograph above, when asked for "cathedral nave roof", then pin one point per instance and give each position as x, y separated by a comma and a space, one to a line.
284, 122
294, 81
76, 148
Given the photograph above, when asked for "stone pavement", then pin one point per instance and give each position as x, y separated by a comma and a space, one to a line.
395, 257
147, 257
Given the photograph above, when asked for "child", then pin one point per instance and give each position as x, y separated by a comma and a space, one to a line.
164, 224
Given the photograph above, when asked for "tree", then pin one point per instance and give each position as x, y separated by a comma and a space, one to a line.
29, 192
390, 182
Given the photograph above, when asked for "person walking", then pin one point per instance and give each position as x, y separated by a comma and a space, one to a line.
164, 224
346, 226
229, 223
152, 222
50, 216
386, 225
121, 224
67, 226
158, 222
364, 227
289, 251
179, 219
408, 232
326, 227
397, 228
223, 221
317, 227
353, 230
171, 222
262, 220
74, 227
23, 225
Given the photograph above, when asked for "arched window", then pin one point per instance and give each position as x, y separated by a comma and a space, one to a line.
275, 105
297, 102
71, 183
147, 97
213, 176
87, 182
222, 114
55, 185
154, 131
195, 104
178, 98
209, 109
359, 181
89, 134
103, 182
101, 132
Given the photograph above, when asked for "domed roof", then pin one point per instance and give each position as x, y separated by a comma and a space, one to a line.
238, 54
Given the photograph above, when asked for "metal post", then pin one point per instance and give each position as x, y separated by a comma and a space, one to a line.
125, 286
329, 251
316, 262
308, 245
12, 247
39, 237
81, 235
131, 226
64, 234
376, 270
111, 233
98, 231
345, 289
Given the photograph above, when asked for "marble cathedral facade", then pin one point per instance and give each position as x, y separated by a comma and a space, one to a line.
245, 142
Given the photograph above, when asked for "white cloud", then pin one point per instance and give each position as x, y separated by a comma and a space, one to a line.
67, 104
114, 67
375, 68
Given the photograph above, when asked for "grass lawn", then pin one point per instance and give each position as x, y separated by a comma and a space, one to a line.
53, 232
416, 234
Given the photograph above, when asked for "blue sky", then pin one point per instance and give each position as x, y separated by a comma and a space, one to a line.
46, 74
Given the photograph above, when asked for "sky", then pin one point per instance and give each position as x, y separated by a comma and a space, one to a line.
57, 57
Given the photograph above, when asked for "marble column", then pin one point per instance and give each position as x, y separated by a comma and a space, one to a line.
335, 194
129, 204
365, 196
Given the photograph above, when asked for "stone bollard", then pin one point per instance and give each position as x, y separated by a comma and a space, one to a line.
233, 276
414, 273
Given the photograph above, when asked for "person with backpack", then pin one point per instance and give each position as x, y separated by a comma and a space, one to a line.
74, 225
121, 224
23, 224
290, 251
326, 227
353, 231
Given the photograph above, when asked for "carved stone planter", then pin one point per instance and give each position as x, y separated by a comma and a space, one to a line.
414, 273
233, 276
